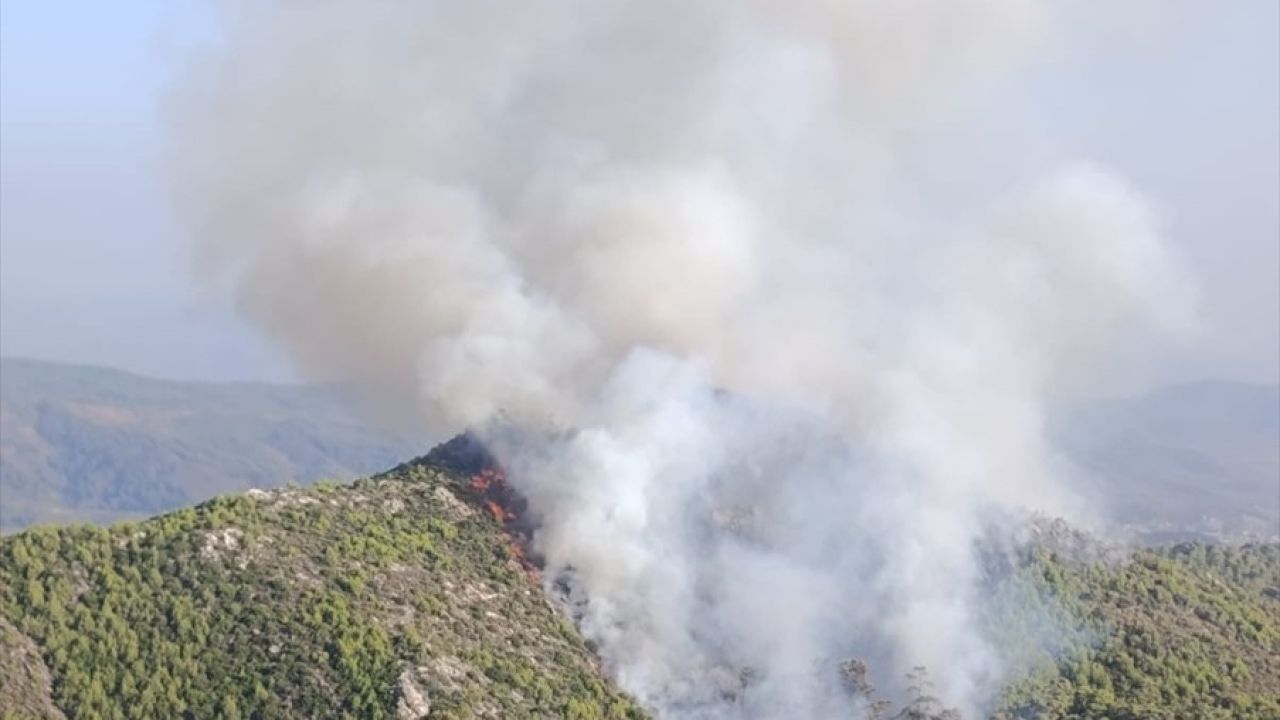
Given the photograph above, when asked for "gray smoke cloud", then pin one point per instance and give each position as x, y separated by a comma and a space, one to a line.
797, 372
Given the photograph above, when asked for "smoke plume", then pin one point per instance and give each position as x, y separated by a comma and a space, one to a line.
788, 318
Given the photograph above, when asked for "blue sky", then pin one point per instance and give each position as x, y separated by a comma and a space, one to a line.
94, 268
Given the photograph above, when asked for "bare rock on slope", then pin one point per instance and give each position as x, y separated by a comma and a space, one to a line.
25, 686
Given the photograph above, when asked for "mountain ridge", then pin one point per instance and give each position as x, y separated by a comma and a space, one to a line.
394, 596
404, 595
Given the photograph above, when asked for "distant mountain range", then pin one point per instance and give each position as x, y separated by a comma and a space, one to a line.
1193, 461
94, 444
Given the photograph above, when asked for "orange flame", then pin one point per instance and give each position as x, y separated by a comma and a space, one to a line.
490, 487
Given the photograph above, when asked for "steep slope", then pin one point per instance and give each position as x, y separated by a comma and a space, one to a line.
393, 597
92, 444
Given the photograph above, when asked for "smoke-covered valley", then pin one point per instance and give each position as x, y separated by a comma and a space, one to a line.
773, 370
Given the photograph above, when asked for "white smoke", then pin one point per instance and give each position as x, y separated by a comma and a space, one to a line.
596, 216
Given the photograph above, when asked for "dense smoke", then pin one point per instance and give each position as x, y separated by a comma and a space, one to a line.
790, 317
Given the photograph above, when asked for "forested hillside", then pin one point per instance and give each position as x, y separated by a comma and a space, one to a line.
400, 595
1188, 631
392, 597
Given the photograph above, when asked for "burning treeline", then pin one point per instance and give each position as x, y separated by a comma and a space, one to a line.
487, 487
587, 218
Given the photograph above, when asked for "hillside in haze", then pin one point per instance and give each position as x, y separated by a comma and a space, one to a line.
400, 596
1199, 460
80, 443
94, 444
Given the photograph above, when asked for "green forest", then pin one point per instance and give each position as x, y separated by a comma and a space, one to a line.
399, 593
328, 602
1188, 631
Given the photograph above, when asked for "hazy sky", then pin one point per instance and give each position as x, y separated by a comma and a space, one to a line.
94, 267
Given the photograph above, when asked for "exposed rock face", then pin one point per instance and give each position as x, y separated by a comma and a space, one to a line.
26, 690
414, 703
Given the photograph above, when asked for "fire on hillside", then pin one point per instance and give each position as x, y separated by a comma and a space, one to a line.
490, 489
